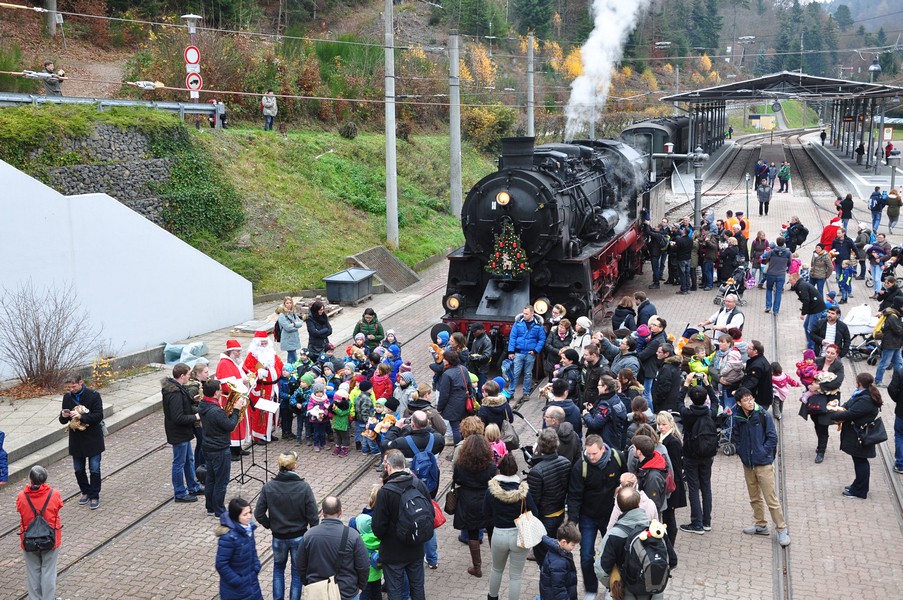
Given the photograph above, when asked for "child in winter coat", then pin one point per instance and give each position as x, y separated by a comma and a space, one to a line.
494, 436
382, 381
558, 573
363, 410
403, 392
780, 384
362, 523
390, 339
285, 384
392, 357
377, 426
806, 370
299, 406
795, 264
341, 409
304, 364
846, 280
641, 335
318, 414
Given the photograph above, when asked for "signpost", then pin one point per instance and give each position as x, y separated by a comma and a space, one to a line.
888, 134
194, 82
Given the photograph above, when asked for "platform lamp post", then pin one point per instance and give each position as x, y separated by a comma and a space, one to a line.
747, 193
697, 158
874, 68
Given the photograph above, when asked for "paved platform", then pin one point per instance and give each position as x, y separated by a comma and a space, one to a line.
860, 180
841, 548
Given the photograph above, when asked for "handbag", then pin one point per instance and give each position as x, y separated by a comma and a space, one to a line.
529, 529
817, 405
328, 589
438, 518
509, 436
872, 433
451, 500
471, 406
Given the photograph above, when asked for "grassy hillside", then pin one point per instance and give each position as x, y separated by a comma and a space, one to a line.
313, 198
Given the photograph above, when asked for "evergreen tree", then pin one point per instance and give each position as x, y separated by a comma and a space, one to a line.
843, 17
534, 15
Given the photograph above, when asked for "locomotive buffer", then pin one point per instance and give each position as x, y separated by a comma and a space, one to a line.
698, 157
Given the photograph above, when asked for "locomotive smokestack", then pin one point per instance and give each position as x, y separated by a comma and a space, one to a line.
517, 152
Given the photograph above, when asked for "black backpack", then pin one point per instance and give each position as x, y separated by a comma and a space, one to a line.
277, 331
415, 514
39, 535
646, 569
702, 439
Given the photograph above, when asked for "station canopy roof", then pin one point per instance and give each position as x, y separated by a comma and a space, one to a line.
788, 85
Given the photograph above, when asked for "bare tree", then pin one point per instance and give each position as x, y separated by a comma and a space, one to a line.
44, 334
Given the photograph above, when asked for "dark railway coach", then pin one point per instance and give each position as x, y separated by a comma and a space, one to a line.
556, 224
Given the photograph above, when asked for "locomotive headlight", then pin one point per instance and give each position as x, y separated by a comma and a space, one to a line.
541, 306
453, 302
503, 198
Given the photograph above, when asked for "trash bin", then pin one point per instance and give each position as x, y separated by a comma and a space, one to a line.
349, 286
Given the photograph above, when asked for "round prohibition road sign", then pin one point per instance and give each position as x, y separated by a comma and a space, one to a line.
192, 55
194, 81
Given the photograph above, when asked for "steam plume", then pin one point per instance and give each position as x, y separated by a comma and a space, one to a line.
613, 22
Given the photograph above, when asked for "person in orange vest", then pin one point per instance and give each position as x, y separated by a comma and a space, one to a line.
744, 223
730, 221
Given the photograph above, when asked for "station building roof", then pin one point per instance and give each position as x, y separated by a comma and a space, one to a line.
788, 85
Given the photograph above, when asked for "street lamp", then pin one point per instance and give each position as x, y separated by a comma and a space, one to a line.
747, 193
192, 21
875, 67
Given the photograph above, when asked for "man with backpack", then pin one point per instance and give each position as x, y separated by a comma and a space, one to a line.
39, 531
876, 205
421, 446
643, 556
699, 450
403, 521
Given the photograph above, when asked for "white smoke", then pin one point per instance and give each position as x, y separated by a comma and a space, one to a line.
613, 22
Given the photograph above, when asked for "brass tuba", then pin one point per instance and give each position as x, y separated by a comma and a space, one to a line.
235, 393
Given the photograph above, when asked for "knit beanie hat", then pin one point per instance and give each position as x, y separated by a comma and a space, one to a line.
395, 350
642, 331
365, 386
405, 367
501, 381
360, 336
809, 355
319, 387
443, 337
407, 377
308, 378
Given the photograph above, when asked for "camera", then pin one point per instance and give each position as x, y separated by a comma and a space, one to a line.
699, 376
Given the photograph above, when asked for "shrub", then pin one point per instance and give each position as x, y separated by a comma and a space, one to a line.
44, 334
403, 130
348, 130
484, 127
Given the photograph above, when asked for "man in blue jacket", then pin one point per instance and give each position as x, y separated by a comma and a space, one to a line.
526, 341
757, 441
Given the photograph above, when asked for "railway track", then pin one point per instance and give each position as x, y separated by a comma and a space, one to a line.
781, 556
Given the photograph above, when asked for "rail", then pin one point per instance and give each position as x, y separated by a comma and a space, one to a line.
180, 108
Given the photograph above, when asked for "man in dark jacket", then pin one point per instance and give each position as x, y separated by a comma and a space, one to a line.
777, 261
697, 469
592, 371
179, 418
757, 375
417, 432
831, 330
845, 249
322, 553
812, 304
594, 479
757, 440
218, 427
561, 400
683, 252
480, 353
525, 343
895, 391
568, 440
666, 387
891, 341
398, 557
452, 389
86, 444
649, 360
657, 241
845, 208
652, 472
548, 480
644, 308
287, 507
608, 417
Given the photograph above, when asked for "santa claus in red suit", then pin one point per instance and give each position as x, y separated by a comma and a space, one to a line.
229, 370
263, 363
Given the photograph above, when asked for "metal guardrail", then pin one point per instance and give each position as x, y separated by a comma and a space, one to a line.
181, 108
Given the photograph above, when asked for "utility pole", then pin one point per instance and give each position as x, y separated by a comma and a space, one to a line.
454, 112
391, 175
50, 5
531, 129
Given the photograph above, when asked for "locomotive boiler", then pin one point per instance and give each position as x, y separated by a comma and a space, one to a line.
556, 224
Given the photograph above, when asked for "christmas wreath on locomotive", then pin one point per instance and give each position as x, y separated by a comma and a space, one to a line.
556, 224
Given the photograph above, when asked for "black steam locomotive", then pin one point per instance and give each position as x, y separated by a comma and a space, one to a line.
556, 224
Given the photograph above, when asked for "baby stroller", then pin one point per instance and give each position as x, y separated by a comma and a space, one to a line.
863, 345
527, 450
888, 269
735, 284
725, 423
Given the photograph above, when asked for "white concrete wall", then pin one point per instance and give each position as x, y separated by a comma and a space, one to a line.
144, 285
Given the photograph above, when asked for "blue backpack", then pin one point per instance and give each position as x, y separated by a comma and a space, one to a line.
424, 464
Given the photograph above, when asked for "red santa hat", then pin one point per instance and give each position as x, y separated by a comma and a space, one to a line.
233, 345
260, 333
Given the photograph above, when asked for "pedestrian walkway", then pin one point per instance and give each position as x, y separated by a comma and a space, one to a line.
34, 434
860, 180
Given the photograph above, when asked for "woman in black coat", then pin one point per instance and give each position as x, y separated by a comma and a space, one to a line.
318, 329
673, 443
728, 260
472, 471
560, 336
624, 315
861, 409
832, 363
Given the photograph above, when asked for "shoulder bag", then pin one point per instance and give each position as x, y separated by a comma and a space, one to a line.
328, 589
451, 500
529, 529
509, 435
872, 433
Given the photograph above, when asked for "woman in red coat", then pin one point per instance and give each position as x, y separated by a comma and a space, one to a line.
40, 498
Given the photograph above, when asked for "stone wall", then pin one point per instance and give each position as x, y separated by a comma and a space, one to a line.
126, 171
